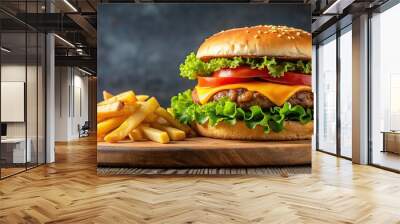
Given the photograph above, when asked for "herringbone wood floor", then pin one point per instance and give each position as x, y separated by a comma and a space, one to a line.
69, 191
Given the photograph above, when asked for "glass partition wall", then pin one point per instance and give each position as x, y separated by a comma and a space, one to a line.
22, 98
345, 93
334, 94
326, 96
385, 89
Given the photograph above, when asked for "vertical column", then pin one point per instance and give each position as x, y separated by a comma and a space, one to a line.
338, 76
360, 90
50, 92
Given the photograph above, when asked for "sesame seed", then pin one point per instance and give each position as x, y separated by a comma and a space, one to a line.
279, 35
247, 31
256, 36
298, 33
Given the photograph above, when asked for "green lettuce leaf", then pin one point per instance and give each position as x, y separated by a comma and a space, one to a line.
224, 110
193, 67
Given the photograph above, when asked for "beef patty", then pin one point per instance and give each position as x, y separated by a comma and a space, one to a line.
246, 98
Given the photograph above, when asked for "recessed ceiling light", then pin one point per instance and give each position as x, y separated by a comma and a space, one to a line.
5, 50
84, 71
70, 5
64, 40
337, 7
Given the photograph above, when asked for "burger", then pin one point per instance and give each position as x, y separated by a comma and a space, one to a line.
253, 83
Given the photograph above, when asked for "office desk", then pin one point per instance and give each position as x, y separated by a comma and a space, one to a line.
16, 148
391, 141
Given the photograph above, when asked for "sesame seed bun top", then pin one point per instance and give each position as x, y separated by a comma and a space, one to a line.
257, 41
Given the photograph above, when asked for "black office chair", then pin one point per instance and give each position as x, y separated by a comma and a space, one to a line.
84, 130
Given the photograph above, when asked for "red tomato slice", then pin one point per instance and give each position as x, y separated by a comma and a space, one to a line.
219, 81
240, 72
290, 78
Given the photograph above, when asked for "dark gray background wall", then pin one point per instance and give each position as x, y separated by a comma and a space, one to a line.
140, 46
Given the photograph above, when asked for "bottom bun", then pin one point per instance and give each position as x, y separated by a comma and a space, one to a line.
292, 130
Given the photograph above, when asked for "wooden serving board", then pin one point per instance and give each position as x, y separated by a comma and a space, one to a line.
203, 152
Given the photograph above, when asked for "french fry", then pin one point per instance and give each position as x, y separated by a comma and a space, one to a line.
151, 118
137, 134
112, 107
169, 110
106, 126
161, 120
173, 133
138, 118
127, 97
133, 121
126, 110
167, 116
156, 135
142, 98
107, 95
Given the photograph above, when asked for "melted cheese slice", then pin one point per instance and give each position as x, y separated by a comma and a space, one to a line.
276, 93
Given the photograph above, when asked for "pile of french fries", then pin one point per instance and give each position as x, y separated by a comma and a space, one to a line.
131, 117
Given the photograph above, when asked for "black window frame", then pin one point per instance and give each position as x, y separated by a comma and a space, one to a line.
332, 34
